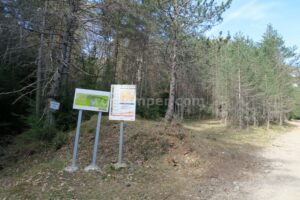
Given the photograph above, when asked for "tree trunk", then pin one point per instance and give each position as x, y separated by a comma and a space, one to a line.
170, 109
66, 51
40, 70
240, 112
254, 117
139, 76
116, 59
268, 119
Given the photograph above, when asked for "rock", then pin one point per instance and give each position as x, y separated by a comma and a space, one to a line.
175, 162
119, 166
71, 189
128, 184
236, 188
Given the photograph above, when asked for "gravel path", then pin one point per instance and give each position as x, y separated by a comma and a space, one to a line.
281, 179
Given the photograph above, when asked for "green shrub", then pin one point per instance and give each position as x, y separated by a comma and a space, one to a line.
41, 133
40, 130
294, 115
39, 137
149, 112
59, 140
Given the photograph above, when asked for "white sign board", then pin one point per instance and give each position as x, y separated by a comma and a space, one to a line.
91, 100
54, 105
122, 102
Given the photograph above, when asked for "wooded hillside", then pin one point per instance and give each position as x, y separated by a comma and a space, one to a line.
48, 48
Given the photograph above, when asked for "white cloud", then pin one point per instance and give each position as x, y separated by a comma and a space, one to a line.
251, 11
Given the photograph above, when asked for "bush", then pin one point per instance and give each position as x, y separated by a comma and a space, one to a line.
42, 131
149, 112
59, 140
39, 130
293, 115
153, 111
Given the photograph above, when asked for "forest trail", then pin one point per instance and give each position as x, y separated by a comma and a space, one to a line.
281, 180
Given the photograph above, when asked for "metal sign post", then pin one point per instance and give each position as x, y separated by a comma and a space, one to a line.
74, 167
93, 165
120, 163
122, 108
91, 100
120, 158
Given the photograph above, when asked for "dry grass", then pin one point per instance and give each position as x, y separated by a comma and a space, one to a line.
164, 162
256, 136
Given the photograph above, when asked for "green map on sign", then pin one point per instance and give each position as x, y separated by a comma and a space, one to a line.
98, 101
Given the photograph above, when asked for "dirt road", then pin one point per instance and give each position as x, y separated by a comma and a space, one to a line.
281, 177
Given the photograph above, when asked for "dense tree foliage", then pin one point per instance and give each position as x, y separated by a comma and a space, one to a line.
48, 48
252, 82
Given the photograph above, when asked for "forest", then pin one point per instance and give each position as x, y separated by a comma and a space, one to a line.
48, 48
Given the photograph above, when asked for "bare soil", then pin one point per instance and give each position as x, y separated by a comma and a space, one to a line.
197, 160
280, 179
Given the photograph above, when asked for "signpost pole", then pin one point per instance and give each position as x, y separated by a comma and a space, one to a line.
73, 167
120, 163
122, 108
93, 165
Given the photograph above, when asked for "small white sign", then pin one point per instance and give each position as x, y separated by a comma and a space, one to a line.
123, 102
54, 105
92, 100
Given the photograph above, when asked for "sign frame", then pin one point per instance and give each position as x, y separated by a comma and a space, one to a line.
123, 103
86, 95
54, 105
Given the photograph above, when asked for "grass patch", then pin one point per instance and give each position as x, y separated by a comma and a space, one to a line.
217, 131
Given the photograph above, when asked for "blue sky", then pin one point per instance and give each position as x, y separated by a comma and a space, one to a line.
251, 17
